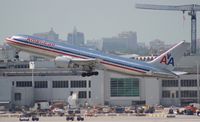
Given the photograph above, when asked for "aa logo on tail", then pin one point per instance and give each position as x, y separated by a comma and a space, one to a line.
167, 59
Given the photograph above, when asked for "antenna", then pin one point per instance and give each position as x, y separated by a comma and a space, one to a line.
192, 9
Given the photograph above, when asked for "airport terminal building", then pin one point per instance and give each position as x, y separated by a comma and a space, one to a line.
21, 86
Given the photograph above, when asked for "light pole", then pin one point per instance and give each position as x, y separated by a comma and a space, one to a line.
198, 82
32, 67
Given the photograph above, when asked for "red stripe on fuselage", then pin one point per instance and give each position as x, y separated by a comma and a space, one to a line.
103, 62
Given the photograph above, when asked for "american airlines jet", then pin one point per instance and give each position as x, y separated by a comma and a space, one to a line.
66, 55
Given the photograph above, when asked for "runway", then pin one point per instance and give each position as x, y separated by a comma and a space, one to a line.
181, 118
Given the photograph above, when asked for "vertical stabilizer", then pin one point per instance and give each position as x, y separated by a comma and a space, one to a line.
169, 59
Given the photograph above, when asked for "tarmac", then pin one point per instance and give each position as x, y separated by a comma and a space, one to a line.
179, 118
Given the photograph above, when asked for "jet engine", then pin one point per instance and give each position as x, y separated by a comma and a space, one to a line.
62, 61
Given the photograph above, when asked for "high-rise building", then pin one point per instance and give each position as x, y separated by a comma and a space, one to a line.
95, 44
51, 35
125, 42
157, 46
76, 38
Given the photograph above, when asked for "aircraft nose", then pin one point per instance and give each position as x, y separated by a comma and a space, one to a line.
8, 38
18, 38
12, 39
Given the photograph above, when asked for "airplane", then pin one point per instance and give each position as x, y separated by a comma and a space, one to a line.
71, 56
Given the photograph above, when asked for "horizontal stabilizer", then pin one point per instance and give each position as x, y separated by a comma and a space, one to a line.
179, 73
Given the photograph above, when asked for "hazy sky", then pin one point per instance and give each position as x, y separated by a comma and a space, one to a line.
96, 18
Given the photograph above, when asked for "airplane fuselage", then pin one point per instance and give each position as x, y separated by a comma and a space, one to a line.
54, 48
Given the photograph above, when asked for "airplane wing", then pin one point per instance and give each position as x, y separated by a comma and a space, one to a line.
86, 64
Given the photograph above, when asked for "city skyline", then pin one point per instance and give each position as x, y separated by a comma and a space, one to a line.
96, 19
124, 42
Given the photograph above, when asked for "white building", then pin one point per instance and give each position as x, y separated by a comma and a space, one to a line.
53, 84
19, 87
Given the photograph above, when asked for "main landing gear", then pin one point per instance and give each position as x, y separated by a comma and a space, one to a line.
88, 74
16, 56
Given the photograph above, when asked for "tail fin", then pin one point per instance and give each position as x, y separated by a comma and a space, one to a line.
169, 59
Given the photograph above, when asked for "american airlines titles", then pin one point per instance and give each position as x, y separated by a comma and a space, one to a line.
42, 42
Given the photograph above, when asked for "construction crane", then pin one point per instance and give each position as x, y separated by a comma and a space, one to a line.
192, 9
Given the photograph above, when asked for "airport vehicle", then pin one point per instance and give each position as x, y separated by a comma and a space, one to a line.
23, 118
88, 60
119, 109
41, 105
171, 113
198, 112
58, 111
79, 118
35, 118
70, 117
190, 109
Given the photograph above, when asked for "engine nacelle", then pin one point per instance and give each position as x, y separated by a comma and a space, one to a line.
62, 61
